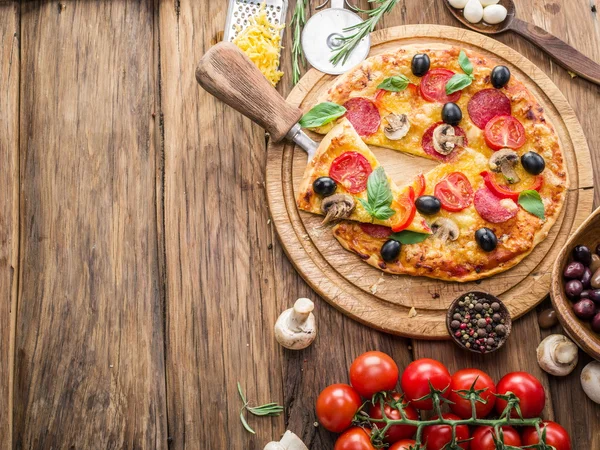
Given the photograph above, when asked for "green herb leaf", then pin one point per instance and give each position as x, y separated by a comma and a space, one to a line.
245, 423
531, 202
379, 195
322, 114
394, 84
465, 63
458, 82
409, 237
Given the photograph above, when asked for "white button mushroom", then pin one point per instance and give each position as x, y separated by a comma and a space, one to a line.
458, 4
485, 3
557, 355
494, 14
296, 328
473, 11
590, 381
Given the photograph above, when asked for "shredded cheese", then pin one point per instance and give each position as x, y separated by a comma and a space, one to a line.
261, 42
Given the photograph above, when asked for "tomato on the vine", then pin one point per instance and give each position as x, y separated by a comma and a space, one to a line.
354, 439
373, 372
416, 378
437, 436
463, 380
404, 444
527, 388
483, 438
556, 436
395, 432
336, 406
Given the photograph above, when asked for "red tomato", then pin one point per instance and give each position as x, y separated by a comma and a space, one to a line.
395, 432
433, 86
463, 380
354, 439
504, 132
506, 192
336, 406
404, 205
527, 388
416, 378
351, 170
373, 372
437, 436
483, 438
419, 185
556, 436
455, 192
404, 444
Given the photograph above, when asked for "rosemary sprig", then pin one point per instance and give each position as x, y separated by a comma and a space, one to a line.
362, 29
268, 409
297, 24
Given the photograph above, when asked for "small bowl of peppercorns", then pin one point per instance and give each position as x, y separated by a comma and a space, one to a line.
478, 322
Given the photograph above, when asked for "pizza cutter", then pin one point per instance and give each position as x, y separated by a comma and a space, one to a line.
228, 74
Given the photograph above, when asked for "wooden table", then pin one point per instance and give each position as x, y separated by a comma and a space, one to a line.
139, 272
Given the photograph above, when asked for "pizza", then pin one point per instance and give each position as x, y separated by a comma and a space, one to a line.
501, 181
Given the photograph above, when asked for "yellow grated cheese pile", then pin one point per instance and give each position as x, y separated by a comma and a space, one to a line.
261, 42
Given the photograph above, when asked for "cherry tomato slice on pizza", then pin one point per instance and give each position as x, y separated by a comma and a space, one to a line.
504, 191
504, 132
433, 86
351, 170
405, 207
455, 192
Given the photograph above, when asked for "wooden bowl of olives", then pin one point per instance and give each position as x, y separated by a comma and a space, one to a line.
478, 322
575, 287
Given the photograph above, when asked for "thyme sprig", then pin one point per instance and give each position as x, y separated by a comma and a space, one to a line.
297, 24
268, 409
361, 29
438, 397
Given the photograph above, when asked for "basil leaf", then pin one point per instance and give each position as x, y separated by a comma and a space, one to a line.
458, 82
394, 84
531, 202
322, 114
409, 237
465, 63
379, 195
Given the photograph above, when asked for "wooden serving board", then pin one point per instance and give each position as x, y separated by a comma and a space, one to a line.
384, 301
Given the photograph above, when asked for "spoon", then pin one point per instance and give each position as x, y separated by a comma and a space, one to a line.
562, 52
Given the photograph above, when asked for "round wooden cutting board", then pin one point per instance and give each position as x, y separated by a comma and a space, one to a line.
385, 301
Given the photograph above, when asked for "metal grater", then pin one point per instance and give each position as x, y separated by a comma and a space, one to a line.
240, 11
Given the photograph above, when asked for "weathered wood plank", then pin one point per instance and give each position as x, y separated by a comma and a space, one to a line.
221, 303
9, 207
89, 358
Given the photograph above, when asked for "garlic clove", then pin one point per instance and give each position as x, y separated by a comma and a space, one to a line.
485, 3
458, 4
494, 14
274, 446
473, 11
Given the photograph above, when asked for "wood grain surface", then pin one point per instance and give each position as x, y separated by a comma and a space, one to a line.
384, 301
147, 274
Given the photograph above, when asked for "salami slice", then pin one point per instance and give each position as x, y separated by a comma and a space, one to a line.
427, 143
487, 104
493, 208
363, 115
376, 231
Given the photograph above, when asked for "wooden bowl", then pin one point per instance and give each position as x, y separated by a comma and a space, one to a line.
587, 234
491, 299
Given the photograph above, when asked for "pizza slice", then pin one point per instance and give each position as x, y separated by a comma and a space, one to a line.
345, 181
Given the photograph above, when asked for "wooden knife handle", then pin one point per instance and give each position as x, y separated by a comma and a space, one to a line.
562, 52
228, 74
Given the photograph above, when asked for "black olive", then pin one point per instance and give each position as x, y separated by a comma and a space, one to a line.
451, 113
324, 186
486, 239
390, 250
500, 76
428, 205
420, 64
533, 163
582, 254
